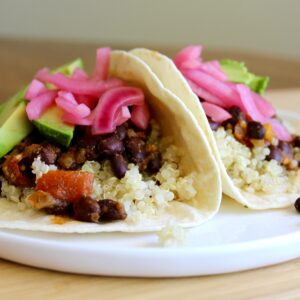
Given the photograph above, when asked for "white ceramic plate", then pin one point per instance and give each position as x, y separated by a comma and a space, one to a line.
236, 239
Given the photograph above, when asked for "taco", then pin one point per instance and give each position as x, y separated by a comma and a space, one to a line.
114, 151
257, 155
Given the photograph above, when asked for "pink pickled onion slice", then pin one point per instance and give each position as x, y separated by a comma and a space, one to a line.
68, 103
191, 64
89, 101
79, 74
69, 97
220, 89
79, 110
205, 95
187, 54
39, 104
102, 63
122, 116
140, 116
213, 68
264, 106
249, 105
35, 89
78, 86
110, 103
71, 119
216, 113
280, 131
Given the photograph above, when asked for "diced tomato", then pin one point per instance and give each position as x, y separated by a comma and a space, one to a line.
66, 185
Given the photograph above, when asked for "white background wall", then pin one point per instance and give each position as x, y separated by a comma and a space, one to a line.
268, 26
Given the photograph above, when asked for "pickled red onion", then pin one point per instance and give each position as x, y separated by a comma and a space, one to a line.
280, 131
110, 103
122, 116
102, 63
79, 74
264, 107
187, 54
215, 112
67, 96
216, 87
140, 116
249, 105
89, 101
74, 120
78, 86
77, 110
96, 100
35, 89
203, 94
40, 104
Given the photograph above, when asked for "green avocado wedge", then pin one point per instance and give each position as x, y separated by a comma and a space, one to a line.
51, 126
15, 126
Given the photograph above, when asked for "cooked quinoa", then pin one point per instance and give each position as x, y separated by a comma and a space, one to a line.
249, 169
172, 235
143, 195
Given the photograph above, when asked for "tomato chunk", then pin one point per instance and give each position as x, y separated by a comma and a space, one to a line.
66, 185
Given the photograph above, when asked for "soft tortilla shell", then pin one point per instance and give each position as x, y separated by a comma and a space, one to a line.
173, 80
176, 121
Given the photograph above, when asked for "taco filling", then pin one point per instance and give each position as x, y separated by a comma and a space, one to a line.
258, 156
259, 153
94, 151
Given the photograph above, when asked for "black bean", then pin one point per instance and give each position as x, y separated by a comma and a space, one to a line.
62, 208
297, 205
111, 210
275, 153
155, 163
122, 132
140, 133
296, 141
118, 165
286, 149
256, 130
89, 145
86, 210
136, 149
49, 153
237, 115
111, 145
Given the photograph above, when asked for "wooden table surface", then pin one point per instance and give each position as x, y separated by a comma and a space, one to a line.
18, 62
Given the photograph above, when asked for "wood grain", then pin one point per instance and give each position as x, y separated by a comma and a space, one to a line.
277, 282
19, 60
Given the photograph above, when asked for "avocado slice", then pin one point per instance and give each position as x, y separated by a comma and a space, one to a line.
51, 126
14, 124
50, 123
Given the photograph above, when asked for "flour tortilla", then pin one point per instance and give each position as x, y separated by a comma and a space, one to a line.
176, 121
173, 80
